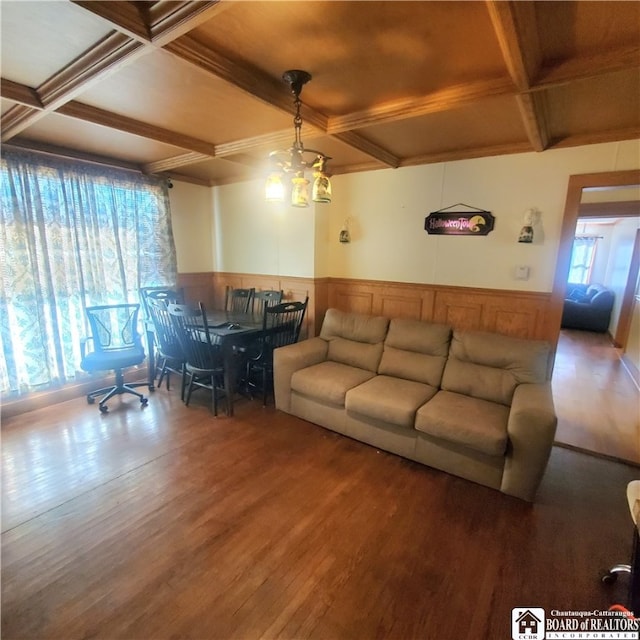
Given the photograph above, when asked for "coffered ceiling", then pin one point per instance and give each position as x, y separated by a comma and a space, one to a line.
193, 90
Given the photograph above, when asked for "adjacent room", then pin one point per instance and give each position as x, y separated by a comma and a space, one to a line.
319, 319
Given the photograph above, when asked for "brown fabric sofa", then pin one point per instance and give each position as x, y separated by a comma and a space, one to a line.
477, 405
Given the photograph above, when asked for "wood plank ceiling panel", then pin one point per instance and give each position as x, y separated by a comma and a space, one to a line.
492, 122
40, 38
394, 83
152, 89
361, 53
59, 130
609, 103
570, 30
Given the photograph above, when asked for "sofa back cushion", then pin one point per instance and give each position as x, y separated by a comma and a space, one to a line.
490, 366
354, 339
415, 350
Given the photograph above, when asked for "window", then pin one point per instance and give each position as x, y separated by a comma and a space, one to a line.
582, 257
72, 234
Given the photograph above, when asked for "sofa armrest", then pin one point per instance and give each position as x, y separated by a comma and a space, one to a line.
531, 430
287, 360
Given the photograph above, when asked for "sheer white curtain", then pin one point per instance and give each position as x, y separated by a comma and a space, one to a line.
71, 234
582, 256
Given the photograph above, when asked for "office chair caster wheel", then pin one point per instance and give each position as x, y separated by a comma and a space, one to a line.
144, 401
104, 408
91, 400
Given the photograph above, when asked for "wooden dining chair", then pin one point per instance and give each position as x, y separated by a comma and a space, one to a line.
204, 363
265, 297
281, 326
170, 355
160, 292
239, 300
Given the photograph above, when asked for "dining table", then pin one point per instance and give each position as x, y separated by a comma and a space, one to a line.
230, 329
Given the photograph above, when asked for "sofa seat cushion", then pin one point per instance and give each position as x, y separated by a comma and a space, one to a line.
328, 381
472, 422
389, 399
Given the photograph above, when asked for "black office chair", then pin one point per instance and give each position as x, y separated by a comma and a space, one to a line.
204, 362
239, 300
169, 352
281, 326
116, 346
264, 298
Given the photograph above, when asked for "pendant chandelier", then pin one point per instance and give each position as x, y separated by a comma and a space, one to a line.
293, 162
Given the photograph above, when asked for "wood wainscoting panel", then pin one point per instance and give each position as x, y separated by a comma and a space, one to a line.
462, 312
515, 313
198, 287
293, 288
522, 321
353, 301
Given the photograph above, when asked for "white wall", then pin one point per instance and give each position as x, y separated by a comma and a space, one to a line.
622, 242
386, 210
192, 217
259, 237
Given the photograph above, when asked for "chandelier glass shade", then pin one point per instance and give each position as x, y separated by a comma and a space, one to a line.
288, 166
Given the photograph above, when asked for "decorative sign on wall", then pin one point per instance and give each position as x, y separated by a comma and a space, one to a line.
476, 222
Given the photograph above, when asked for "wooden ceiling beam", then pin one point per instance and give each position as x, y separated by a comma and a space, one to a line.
88, 113
156, 23
248, 79
532, 108
20, 93
515, 26
16, 119
125, 17
367, 147
583, 139
275, 140
105, 57
109, 54
261, 86
467, 154
171, 20
441, 100
586, 67
174, 162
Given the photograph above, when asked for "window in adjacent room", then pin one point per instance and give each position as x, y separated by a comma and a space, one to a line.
582, 258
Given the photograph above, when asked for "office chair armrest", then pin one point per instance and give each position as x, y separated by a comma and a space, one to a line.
83, 345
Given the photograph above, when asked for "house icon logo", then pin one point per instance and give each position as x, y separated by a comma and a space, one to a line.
527, 623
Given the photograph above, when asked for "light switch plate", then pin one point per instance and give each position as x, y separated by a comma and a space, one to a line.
522, 272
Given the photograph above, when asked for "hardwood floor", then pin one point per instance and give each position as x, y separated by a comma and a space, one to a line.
165, 522
597, 402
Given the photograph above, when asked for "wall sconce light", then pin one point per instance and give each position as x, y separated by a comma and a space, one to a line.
345, 236
530, 218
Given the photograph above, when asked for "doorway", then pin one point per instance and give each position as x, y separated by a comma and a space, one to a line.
596, 396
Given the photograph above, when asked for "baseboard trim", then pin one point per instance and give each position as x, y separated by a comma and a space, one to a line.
595, 454
71, 391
